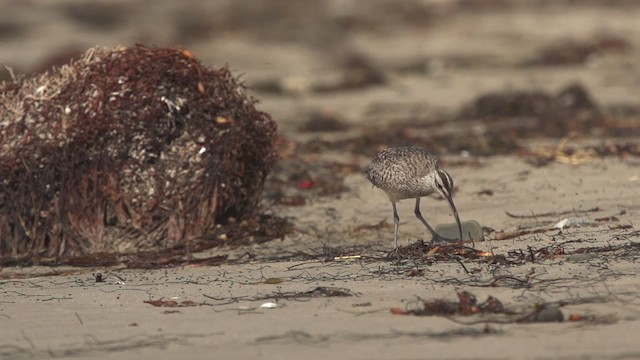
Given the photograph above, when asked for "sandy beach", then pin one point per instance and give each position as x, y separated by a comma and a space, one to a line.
548, 165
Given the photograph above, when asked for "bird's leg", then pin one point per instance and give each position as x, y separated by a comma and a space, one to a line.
435, 235
396, 222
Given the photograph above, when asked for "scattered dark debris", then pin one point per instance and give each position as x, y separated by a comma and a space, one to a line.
324, 291
511, 281
173, 303
538, 114
508, 104
529, 103
572, 52
544, 225
511, 116
11, 29
552, 214
323, 120
533, 255
166, 312
316, 292
606, 219
363, 304
301, 175
150, 260
583, 154
621, 227
492, 310
560, 251
508, 118
330, 253
414, 272
310, 339
358, 72
253, 230
487, 192
427, 253
437, 64
267, 281
627, 249
436, 252
373, 139
466, 305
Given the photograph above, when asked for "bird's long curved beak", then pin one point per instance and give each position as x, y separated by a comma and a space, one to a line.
455, 212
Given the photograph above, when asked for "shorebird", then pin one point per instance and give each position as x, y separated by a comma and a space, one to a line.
411, 172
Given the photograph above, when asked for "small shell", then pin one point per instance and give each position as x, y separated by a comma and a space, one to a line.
269, 305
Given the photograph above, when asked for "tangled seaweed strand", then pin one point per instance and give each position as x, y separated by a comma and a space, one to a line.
125, 150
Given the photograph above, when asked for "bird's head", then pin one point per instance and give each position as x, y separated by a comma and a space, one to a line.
444, 186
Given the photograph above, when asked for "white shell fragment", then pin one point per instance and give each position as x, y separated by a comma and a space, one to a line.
570, 222
269, 305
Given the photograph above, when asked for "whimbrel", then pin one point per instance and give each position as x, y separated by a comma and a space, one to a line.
411, 172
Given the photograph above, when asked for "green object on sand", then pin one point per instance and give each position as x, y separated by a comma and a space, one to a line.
471, 230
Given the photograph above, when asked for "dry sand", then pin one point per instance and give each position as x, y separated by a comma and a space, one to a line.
72, 315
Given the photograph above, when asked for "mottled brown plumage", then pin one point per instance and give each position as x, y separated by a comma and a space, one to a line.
411, 172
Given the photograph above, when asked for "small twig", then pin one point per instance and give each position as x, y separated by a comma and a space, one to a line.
507, 277
551, 213
27, 339
360, 313
79, 319
464, 267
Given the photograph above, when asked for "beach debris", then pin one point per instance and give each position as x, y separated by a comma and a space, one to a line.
127, 150
571, 109
571, 222
98, 277
172, 303
573, 51
316, 292
362, 304
268, 305
328, 291
492, 310
439, 252
467, 304
273, 281
323, 121
551, 214
414, 271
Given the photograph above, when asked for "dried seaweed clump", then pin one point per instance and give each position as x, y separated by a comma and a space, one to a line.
539, 113
127, 149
